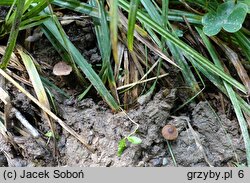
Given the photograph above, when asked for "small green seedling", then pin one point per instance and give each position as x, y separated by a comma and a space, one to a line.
121, 147
229, 16
49, 134
122, 143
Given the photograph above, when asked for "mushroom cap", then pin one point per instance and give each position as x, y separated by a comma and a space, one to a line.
169, 132
62, 69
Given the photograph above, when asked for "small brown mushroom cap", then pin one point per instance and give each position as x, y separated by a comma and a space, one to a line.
62, 69
169, 132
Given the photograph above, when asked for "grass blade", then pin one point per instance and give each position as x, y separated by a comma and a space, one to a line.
78, 7
241, 120
37, 83
201, 60
35, 10
34, 77
131, 22
13, 34
244, 42
114, 28
83, 64
175, 51
39, 90
232, 96
6, 2
52, 86
102, 32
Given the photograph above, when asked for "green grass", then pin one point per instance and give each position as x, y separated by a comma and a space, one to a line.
174, 34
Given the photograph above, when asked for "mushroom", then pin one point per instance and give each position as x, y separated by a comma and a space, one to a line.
62, 69
169, 132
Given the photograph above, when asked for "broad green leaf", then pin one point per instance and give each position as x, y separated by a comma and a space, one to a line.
225, 9
121, 147
247, 2
207, 20
236, 18
134, 140
229, 16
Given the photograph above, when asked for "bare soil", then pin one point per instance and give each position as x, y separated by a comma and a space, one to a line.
212, 140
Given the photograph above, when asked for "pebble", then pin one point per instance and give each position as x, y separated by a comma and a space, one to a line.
164, 161
157, 162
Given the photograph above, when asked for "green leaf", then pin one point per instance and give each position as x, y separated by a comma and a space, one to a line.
229, 16
103, 39
247, 2
34, 21
121, 147
6, 2
236, 18
48, 134
134, 140
206, 21
13, 35
34, 78
225, 9
78, 7
114, 28
52, 86
131, 22
36, 9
